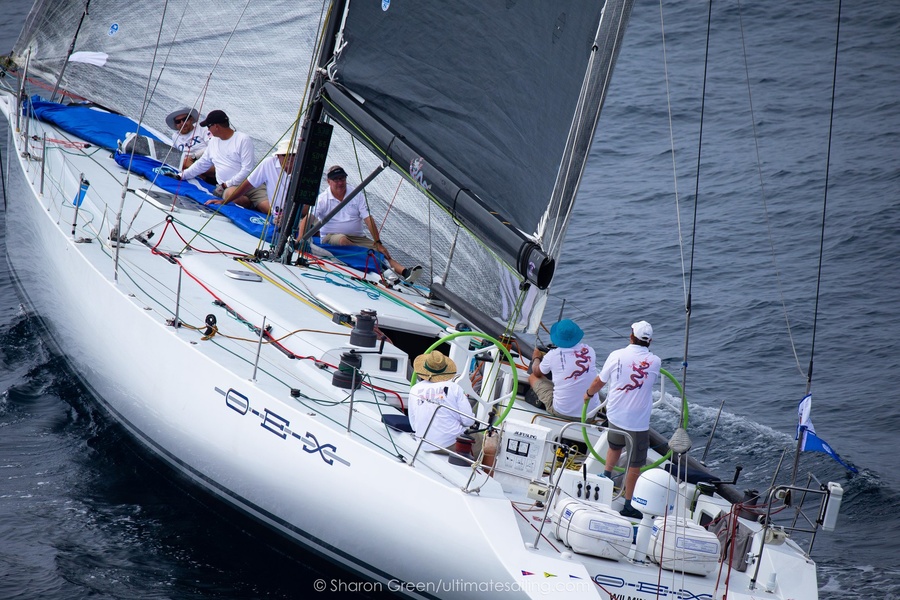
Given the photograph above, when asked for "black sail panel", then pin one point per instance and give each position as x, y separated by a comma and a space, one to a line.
485, 92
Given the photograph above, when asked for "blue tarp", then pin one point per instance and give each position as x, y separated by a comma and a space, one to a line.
95, 126
106, 129
249, 220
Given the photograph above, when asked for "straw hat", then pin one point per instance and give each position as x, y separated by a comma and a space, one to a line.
434, 366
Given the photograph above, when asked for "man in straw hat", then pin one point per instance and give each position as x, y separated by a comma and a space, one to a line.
435, 389
631, 373
189, 138
573, 366
274, 173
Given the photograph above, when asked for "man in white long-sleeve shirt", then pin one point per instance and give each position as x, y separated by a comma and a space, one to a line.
232, 153
435, 389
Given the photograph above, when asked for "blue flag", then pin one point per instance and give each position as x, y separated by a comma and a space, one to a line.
811, 442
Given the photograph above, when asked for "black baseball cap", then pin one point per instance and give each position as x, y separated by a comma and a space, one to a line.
337, 172
215, 117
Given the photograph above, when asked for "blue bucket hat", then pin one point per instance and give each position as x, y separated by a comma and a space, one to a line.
565, 334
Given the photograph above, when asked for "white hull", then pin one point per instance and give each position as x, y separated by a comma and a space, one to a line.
289, 463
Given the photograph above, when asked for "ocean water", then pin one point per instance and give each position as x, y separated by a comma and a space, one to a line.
83, 513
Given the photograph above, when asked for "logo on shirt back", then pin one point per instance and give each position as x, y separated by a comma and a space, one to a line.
637, 377
582, 361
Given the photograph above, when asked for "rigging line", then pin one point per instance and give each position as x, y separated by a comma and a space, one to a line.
171, 47
391, 203
199, 108
202, 96
662, 25
812, 348
554, 244
762, 188
222, 51
3, 177
516, 311
687, 305
144, 105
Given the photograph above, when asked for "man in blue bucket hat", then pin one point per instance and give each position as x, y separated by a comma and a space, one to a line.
572, 365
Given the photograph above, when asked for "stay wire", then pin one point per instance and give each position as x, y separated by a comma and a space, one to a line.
812, 348
144, 105
687, 304
662, 25
202, 95
3, 178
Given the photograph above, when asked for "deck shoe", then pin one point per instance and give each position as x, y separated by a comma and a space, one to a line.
411, 275
630, 512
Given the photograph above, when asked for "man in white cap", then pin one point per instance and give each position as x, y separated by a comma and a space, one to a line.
433, 390
631, 373
274, 173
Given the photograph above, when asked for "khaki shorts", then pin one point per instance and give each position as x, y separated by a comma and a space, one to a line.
543, 389
258, 195
334, 239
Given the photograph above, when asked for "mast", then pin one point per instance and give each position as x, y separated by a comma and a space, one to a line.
315, 136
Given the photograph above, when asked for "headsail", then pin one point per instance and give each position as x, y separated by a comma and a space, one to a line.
490, 107
246, 58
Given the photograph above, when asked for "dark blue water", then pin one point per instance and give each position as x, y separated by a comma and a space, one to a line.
84, 514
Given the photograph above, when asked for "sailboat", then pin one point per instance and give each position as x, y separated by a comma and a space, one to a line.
274, 374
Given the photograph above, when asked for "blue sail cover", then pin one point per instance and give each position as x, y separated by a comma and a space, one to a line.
107, 129
248, 220
97, 127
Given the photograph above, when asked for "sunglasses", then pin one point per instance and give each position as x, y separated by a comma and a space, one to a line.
180, 120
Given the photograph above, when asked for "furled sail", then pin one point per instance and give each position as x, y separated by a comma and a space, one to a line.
489, 106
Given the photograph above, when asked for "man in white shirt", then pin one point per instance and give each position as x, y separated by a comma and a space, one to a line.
274, 174
232, 153
189, 138
631, 373
573, 366
433, 390
346, 228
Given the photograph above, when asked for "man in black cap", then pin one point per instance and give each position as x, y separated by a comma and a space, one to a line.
232, 154
346, 227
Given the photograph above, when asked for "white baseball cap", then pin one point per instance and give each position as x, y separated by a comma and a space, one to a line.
642, 331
